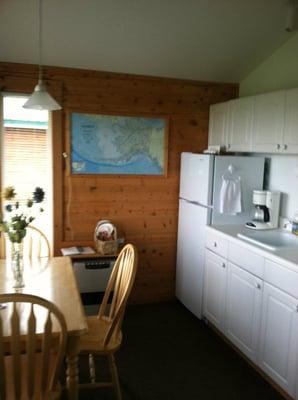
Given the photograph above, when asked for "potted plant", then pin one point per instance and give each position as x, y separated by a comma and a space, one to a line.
14, 222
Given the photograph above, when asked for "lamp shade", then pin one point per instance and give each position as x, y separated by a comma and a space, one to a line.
40, 99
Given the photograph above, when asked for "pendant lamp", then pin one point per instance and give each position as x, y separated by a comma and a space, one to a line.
40, 99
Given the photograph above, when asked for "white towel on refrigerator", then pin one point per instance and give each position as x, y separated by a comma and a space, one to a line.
230, 196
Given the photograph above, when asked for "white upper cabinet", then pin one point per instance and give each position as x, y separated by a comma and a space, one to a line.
268, 124
290, 139
230, 124
240, 124
218, 122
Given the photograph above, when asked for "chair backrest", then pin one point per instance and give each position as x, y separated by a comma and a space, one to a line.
23, 343
35, 244
2, 246
118, 290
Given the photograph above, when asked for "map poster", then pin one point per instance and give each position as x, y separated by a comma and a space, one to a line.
110, 144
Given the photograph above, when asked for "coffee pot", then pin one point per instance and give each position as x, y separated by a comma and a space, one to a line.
260, 213
265, 214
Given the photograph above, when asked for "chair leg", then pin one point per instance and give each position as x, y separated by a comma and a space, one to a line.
92, 368
115, 377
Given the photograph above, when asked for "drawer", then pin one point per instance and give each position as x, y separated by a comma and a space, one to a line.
281, 277
217, 244
246, 259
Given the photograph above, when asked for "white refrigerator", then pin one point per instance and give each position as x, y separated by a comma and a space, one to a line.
200, 204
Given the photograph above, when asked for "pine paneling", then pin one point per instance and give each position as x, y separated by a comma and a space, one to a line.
144, 208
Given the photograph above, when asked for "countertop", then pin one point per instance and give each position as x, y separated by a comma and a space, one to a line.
287, 257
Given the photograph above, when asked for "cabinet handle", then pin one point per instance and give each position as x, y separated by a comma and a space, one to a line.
228, 146
258, 286
214, 244
285, 147
277, 146
223, 265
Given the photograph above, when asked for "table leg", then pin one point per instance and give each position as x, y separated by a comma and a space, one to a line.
72, 372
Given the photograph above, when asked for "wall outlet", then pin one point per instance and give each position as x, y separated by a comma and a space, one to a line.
120, 241
285, 224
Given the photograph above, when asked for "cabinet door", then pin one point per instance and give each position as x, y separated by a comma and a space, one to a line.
290, 139
279, 333
215, 278
218, 124
268, 122
243, 310
240, 124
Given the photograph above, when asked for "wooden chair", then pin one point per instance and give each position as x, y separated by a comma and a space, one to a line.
2, 246
104, 330
35, 244
31, 354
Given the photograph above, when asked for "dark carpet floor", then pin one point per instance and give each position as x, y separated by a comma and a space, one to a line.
168, 354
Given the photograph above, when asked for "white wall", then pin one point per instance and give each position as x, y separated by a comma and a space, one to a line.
279, 71
283, 176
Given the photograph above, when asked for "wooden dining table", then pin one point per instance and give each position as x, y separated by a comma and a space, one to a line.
53, 279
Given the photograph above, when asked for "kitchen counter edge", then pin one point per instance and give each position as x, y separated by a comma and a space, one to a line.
285, 257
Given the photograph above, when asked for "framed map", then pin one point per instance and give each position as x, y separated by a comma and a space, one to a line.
111, 144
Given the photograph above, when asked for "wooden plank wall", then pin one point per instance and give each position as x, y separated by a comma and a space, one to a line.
145, 209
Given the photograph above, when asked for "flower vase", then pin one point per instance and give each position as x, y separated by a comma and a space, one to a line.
17, 264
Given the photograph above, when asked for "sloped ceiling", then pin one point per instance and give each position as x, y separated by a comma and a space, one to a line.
211, 40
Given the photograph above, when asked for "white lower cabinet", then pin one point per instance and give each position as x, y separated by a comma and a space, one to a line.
257, 310
279, 335
215, 279
243, 310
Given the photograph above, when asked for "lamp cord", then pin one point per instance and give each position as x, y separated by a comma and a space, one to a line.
39, 39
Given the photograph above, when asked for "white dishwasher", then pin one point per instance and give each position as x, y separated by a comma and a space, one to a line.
92, 274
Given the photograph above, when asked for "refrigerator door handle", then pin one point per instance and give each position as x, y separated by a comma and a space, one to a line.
196, 203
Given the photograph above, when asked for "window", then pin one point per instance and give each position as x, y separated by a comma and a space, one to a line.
26, 155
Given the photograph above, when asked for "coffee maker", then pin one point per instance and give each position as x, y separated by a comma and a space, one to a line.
266, 210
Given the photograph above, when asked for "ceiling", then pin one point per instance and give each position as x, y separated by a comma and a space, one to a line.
211, 40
